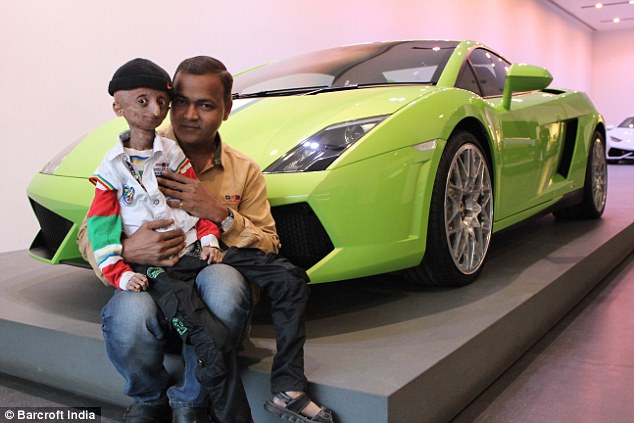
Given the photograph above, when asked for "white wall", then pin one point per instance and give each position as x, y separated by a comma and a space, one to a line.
612, 81
57, 56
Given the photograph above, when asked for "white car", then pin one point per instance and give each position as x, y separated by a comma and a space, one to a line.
620, 143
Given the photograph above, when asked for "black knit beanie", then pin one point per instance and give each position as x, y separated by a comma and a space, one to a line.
140, 73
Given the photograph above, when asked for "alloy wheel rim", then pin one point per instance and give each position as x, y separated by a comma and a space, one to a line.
599, 175
468, 208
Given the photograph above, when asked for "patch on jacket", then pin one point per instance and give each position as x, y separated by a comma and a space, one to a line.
160, 167
154, 272
179, 326
127, 195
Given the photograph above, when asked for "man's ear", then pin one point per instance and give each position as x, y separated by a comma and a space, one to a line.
228, 107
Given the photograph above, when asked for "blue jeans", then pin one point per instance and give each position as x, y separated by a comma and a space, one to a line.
135, 339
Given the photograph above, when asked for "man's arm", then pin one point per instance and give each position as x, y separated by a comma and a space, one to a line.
85, 248
150, 247
253, 224
146, 246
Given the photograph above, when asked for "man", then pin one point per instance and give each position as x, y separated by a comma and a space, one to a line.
231, 192
126, 196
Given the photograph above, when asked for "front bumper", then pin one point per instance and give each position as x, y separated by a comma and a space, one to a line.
354, 221
614, 153
60, 205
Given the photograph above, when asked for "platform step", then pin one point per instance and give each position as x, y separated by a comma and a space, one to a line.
378, 350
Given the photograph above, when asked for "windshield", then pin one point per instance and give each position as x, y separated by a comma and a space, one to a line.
404, 62
627, 123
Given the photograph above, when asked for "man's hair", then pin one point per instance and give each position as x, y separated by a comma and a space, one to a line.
203, 65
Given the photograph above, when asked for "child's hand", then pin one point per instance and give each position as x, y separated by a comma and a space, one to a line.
137, 283
211, 255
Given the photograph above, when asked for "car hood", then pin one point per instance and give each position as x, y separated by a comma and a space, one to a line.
624, 134
265, 128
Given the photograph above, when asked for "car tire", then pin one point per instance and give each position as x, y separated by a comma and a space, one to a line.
595, 187
460, 217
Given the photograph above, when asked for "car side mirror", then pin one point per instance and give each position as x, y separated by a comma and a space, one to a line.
521, 78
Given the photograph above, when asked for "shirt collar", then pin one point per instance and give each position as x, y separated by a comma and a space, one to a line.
216, 160
218, 150
124, 137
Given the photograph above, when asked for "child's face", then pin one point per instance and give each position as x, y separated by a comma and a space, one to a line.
143, 108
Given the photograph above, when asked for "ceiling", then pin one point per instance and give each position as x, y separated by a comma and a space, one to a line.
599, 19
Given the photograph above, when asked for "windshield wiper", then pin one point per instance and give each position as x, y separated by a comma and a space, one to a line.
280, 92
334, 88
321, 89
365, 85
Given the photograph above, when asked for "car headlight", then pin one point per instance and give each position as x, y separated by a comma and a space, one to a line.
615, 139
323, 148
50, 167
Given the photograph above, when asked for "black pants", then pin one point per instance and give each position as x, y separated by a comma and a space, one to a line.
285, 284
173, 291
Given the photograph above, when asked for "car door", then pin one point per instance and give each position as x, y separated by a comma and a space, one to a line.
530, 138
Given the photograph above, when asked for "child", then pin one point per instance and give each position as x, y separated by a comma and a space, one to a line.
127, 192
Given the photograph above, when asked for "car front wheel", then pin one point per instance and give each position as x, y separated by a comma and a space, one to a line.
460, 216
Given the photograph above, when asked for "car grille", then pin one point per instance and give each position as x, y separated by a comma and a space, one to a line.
304, 239
54, 228
617, 152
570, 132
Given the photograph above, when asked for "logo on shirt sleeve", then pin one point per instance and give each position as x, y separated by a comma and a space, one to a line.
235, 199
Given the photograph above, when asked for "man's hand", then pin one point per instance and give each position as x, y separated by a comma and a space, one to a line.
190, 195
149, 247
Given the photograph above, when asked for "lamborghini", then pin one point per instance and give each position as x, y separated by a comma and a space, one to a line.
399, 156
620, 141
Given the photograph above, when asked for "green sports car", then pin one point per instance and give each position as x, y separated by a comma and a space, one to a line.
400, 155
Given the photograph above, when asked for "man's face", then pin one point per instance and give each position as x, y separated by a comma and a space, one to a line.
142, 108
198, 109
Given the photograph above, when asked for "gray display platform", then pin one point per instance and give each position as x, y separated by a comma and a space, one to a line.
378, 350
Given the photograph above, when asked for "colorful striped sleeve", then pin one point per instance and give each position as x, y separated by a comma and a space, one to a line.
104, 233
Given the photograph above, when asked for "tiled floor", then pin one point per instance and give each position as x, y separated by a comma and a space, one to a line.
582, 371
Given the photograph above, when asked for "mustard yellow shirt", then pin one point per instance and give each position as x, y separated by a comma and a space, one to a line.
237, 181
